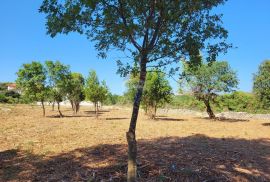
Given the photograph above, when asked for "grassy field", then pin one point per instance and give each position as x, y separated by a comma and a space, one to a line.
171, 148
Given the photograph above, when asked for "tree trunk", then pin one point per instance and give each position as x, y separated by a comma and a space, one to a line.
131, 134
53, 106
58, 107
209, 110
97, 110
72, 106
43, 108
155, 111
77, 107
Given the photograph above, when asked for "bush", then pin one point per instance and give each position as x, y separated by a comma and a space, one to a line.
3, 98
186, 102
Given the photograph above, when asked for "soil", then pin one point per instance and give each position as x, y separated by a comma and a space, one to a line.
174, 147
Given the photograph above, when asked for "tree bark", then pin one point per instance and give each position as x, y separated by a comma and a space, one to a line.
131, 134
58, 107
53, 106
209, 110
43, 108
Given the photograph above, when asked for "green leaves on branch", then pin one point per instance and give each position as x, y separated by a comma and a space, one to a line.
94, 90
157, 91
208, 80
261, 86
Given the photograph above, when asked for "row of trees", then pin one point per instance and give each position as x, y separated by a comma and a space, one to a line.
54, 83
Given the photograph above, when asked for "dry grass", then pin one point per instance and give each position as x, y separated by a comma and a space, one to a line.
171, 148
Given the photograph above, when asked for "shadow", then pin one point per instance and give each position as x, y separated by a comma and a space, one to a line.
93, 112
69, 116
223, 119
266, 124
116, 118
167, 119
194, 158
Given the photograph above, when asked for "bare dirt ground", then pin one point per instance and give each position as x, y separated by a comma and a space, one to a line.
172, 148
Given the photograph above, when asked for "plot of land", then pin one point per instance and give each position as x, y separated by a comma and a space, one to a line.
171, 148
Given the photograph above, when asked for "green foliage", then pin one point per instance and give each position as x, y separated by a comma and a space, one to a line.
94, 90
32, 81
3, 98
157, 91
237, 101
3, 87
163, 31
261, 85
186, 102
76, 87
208, 80
112, 99
59, 76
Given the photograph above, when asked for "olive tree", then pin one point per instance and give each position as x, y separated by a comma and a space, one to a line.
156, 33
75, 91
261, 85
157, 91
59, 78
95, 91
32, 82
208, 80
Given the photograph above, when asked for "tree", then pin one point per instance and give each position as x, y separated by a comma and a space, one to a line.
156, 93
75, 92
155, 33
94, 91
59, 77
208, 80
261, 85
32, 82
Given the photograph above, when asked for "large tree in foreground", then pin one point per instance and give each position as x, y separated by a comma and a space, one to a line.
155, 33
32, 82
208, 80
261, 85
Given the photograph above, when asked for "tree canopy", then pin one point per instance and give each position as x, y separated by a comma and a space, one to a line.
59, 76
32, 82
208, 80
261, 85
94, 90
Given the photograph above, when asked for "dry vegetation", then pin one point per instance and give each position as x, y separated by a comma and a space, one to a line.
174, 147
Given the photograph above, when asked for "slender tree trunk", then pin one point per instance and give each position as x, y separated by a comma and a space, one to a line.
58, 107
97, 110
77, 107
72, 106
155, 111
209, 109
53, 105
131, 134
43, 108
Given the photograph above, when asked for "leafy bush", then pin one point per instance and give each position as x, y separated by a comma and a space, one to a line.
186, 102
237, 101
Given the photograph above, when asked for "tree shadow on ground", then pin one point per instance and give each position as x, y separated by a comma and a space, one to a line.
123, 118
266, 124
194, 158
69, 116
168, 119
224, 119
